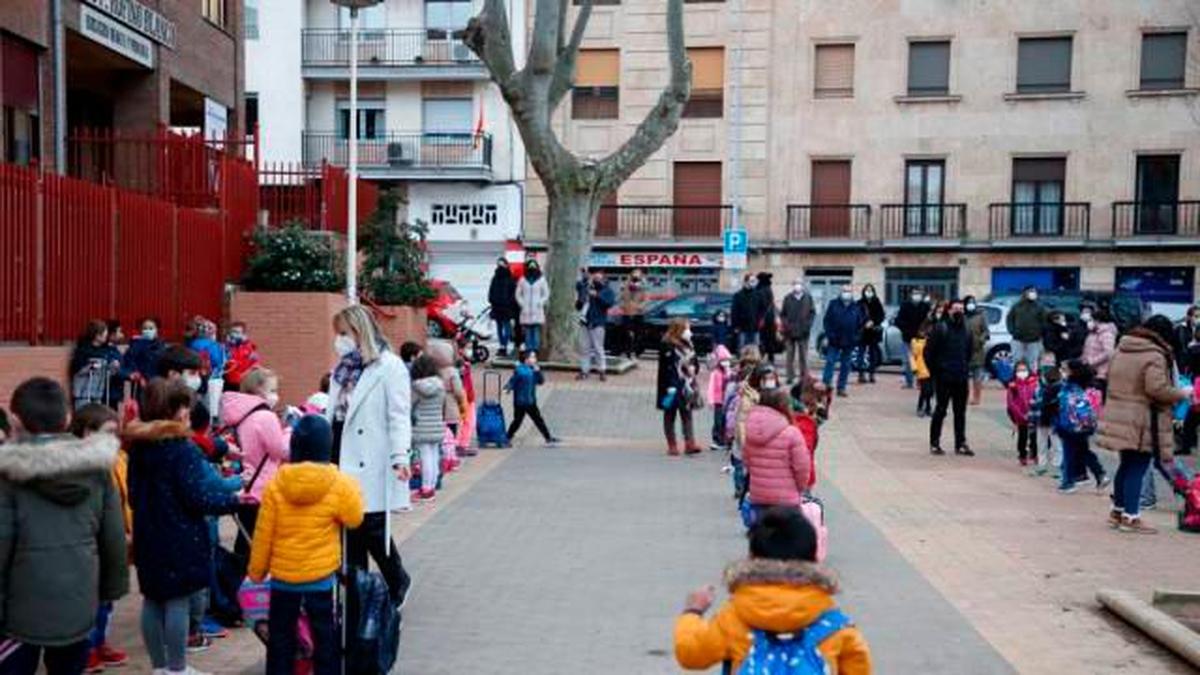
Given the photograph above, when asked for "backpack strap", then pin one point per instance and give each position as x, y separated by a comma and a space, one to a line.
825, 626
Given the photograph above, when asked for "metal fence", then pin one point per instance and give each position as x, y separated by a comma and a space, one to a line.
922, 221
828, 221
1156, 219
330, 47
631, 221
403, 150
1047, 220
315, 197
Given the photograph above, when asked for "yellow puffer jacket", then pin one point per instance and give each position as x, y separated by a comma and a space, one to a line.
917, 359
304, 507
778, 596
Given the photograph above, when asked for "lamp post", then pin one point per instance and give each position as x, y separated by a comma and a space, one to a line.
352, 133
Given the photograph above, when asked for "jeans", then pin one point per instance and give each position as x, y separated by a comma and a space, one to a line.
746, 337
65, 660
1078, 458
685, 418
797, 350
1027, 439
1049, 448
718, 427
906, 363
100, 631
840, 355
535, 414
592, 350
1127, 486
430, 453
282, 622
197, 606
872, 355
165, 632
504, 333
1029, 352
533, 336
947, 393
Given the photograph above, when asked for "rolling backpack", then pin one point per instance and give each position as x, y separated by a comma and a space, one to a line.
1076, 414
489, 417
793, 653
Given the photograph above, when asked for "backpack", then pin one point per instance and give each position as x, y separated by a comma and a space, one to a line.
1076, 414
373, 642
793, 653
1004, 369
489, 416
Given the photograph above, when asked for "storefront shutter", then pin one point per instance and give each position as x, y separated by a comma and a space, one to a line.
834, 70
19, 75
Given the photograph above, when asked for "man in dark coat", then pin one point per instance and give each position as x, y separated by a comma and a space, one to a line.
948, 355
913, 313
843, 324
744, 313
766, 317
1063, 339
798, 313
502, 296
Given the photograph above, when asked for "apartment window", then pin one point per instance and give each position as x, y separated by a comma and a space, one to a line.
929, 68
1164, 57
600, 2
830, 195
372, 120
251, 105
446, 18
447, 115
834, 71
1037, 194
1157, 193
1044, 65
699, 2
20, 125
924, 192
214, 11
250, 19
597, 93
708, 83
697, 199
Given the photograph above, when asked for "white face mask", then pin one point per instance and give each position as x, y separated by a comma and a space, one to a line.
724, 364
970, 307
192, 381
1022, 374
272, 399
916, 297
1032, 295
1086, 317
687, 334
847, 297
770, 383
869, 294
798, 289
344, 344
149, 333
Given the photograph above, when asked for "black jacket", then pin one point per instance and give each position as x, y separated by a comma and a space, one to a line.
766, 317
1065, 341
909, 319
872, 310
948, 353
743, 316
671, 367
502, 295
83, 356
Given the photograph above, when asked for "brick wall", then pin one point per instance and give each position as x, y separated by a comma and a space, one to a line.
401, 324
18, 364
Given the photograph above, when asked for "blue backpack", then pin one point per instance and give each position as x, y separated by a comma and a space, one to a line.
1076, 414
793, 653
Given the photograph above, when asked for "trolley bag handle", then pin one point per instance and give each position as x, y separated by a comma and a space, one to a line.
492, 376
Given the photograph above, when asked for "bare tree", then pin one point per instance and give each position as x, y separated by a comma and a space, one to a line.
575, 186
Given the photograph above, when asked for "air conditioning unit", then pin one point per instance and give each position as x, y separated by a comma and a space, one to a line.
462, 52
396, 155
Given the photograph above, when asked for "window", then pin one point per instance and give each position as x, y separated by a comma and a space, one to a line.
371, 22
214, 11
446, 18
372, 120
1157, 194
924, 185
250, 27
834, 71
1164, 56
1044, 65
1037, 195
1159, 284
252, 112
597, 94
708, 83
446, 116
938, 282
697, 199
830, 197
1012, 280
600, 2
928, 68
20, 125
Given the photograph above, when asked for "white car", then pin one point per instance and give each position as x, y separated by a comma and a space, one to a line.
998, 343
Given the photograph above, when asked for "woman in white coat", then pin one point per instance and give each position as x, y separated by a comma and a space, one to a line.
532, 295
370, 411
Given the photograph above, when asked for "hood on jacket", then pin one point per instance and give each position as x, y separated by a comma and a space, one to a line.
428, 387
532, 274
57, 466
721, 353
764, 424
1141, 340
158, 430
236, 406
780, 595
305, 483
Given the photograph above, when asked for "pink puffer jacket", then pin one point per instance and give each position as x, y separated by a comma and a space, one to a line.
263, 440
775, 455
1099, 347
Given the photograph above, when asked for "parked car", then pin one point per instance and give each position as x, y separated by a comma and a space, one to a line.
698, 308
445, 311
1128, 309
892, 347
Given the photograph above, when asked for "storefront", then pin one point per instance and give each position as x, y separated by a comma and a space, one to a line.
667, 273
1166, 285
1010, 280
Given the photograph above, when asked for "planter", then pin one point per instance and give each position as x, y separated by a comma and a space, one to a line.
401, 324
19, 363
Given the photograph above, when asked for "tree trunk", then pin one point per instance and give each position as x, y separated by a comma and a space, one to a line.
572, 217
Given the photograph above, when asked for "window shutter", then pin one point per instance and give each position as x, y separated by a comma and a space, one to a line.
1039, 170
19, 76
928, 68
1044, 65
708, 68
1163, 58
834, 70
598, 68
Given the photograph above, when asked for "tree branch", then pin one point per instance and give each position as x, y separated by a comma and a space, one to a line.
663, 118
489, 36
543, 46
564, 72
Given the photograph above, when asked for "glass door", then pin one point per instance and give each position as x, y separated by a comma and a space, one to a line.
1157, 193
923, 196
1037, 195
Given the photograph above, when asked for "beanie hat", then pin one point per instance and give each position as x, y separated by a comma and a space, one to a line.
312, 440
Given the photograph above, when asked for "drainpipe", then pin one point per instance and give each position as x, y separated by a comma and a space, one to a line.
59, 61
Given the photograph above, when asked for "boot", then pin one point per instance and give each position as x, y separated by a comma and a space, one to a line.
673, 448
690, 448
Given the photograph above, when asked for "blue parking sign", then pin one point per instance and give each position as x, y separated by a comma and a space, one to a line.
736, 246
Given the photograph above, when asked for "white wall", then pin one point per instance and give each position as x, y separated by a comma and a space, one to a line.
273, 72
504, 201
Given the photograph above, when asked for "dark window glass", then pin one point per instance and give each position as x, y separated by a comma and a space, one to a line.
1044, 65
928, 68
1037, 194
705, 103
1164, 56
595, 103
252, 113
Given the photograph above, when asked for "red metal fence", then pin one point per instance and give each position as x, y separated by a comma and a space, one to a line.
315, 197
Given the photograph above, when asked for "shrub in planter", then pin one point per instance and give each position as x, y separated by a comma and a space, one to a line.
293, 259
394, 272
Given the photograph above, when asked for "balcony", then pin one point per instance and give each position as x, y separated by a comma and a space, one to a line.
1156, 224
830, 225
923, 224
662, 222
1057, 224
401, 155
389, 54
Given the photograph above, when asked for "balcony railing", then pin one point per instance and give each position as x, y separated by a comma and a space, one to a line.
1153, 219
828, 221
402, 151
1038, 221
643, 222
923, 221
390, 47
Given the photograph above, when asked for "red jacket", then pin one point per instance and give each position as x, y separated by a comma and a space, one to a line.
1020, 398
777, 458
808, 429
243, 357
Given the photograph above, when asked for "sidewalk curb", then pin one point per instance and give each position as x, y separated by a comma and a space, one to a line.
1153, 622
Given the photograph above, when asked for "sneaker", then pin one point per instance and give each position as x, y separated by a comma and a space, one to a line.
192, 671
936, 450
405, 594
113, 657
426, 495
553, 442
964, 450
211, 629
1135, 526
1102, 482
1114, 519
198, 643
94, 663
921, 414
1152, 506
603, 377
841, 393
581, 376
1024, 461
1068, 489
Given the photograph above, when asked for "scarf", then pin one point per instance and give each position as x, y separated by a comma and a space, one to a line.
346, 374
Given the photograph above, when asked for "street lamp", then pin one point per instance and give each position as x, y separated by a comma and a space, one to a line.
352, 189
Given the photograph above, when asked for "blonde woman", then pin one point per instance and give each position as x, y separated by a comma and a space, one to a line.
370, 411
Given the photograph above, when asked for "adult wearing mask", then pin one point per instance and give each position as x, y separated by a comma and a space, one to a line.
370, 410
948, 354
1137, 420
766, 317
95, 368
1063, 339
872, 333
798, 313
843, 323
977, 325
913, 312
1185, 335
1099, 345
744, 312
502, 296
532, 295
676, 393
1026, 321
593, 299
633, 310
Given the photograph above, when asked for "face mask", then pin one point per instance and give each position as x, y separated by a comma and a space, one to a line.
343, 345
753, 283
770, 383
869, 294
1060, 322
971, 307
847, 297
798, 289
149, 333
1022, 374
1086, 317
1032, 295
687, 335
236, 338
1046, 368
916, 297
272, 399
725, 364
192, 381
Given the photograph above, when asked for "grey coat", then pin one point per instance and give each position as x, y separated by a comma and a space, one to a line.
429, 395
62, 537
798, 314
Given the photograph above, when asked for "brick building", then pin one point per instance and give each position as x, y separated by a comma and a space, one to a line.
960, 147
128, 65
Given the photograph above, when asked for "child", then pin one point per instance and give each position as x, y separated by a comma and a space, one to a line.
1020, 399
428, 399
261, 438
140, 362
298, 542
775, 454
171, 490
409, 351
717, 378
921, 370
242, 356
1044, 411
203, 340
1074, 426
523, 384
720, 329
807, 397
778, 589
62, 522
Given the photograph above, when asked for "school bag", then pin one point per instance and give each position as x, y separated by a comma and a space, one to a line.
814, 510
1076, 414
1003, 369
90, 385
1189, 517
373, 641
490, 428
793, 653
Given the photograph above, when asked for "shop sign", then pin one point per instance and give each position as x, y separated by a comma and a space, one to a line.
689, 259
116, 37
140, 18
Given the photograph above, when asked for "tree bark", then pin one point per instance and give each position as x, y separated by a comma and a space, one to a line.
570, 223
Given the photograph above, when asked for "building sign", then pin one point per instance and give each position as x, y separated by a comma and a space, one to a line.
216, 120
736, 246
116, 37
653, 259
140, 18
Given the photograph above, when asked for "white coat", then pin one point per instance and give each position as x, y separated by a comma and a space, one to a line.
377, 432
533, 298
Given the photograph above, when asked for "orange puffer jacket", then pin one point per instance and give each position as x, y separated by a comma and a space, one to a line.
776, 457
